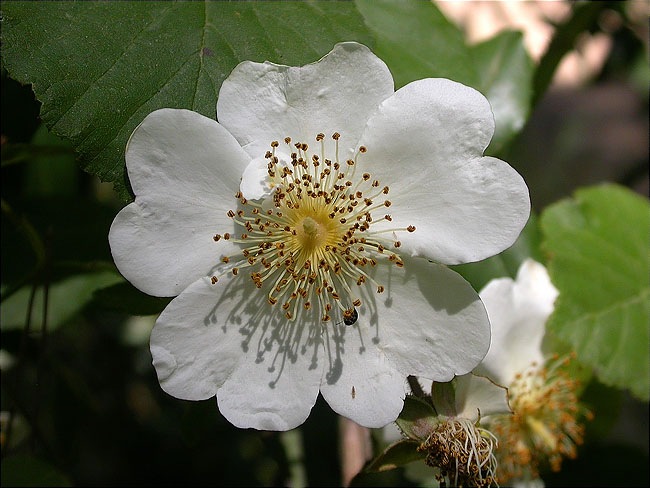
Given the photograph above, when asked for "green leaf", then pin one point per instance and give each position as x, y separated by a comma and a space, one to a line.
100, 67
66, 298
397, 454
416, 41
598, 259
417, 419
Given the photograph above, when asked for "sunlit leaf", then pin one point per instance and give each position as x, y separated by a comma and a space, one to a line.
100, 67
598, 246
65, 298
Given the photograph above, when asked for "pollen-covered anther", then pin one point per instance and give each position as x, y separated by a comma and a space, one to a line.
316, 242
547, 424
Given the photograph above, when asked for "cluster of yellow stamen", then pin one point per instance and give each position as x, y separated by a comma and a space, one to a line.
310, 243
463, 452
546, 425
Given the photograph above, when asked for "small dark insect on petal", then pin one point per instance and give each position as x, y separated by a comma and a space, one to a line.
350, 316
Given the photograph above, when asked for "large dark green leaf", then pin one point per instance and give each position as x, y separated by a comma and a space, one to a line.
598, 259
100, 67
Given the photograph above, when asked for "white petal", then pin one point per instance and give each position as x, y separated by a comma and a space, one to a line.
429, 322
362, 384
223, 339
518, 311
194, 349
255, 180
426, 143
184, 169
256, 183
263, 102
476, 394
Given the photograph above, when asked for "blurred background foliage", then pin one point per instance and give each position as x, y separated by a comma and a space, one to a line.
81, 405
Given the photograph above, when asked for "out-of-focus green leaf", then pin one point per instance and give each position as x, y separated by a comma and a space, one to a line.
397, 454
126, 298
416, 41
100, 67
51, 174
598, 246
24, 470
505, 72
65, 299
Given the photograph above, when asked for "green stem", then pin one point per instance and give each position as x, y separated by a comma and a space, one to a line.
416, 387
293, 447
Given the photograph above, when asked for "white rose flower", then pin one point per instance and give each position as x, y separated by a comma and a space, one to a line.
547, 421
302, 265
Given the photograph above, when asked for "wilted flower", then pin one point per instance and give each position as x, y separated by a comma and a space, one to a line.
463, 452
547, 420
445, 428
460, 447
298, 232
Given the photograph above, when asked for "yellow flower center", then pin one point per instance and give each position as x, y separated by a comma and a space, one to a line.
311, 243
